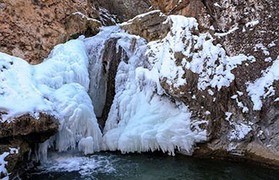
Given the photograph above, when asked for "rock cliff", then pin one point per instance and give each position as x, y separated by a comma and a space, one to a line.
30, 29
251, 28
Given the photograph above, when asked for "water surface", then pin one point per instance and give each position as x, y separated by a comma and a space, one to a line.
114, 166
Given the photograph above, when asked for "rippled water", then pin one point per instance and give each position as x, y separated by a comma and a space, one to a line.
145, 167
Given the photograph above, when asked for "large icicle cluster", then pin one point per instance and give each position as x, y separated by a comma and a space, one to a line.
58, 86
142, 118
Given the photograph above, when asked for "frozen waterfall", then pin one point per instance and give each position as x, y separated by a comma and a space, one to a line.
110, 76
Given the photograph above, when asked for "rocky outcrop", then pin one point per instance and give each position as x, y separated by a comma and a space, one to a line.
29, 29
151, 26
188, 8
20, 136
126, 9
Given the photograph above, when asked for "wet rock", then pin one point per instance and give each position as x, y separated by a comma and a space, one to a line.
26, 125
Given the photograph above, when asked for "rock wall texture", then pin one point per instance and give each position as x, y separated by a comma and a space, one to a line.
29, 29
251, 28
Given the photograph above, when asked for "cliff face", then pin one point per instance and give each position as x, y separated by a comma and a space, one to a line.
243, 115
29, 29
251, 28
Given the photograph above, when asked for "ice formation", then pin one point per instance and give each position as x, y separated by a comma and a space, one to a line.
98, 78
58, 86
142, 117
3, 170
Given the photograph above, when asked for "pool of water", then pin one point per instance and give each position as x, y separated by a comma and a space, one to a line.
114, 166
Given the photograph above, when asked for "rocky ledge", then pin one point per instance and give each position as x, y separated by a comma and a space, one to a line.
20, 136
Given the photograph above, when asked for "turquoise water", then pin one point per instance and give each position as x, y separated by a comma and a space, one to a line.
114, 166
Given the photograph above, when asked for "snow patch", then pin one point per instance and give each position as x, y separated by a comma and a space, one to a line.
263, 48
239, 131
3, 171
227, 33
262, 88
252, 23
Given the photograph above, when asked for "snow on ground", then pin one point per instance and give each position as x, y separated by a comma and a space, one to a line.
262, 87
182, 49
58, 86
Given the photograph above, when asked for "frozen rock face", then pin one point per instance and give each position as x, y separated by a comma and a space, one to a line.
104, 57
243, 113
29, 29
142, 117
